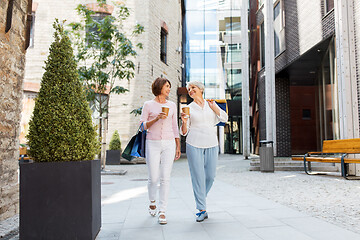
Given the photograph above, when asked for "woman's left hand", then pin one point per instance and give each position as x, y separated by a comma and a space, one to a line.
177, 154
212, 104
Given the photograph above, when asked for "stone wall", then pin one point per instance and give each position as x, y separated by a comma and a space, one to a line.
12, 62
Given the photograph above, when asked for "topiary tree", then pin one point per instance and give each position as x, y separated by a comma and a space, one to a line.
115, 143
61, 128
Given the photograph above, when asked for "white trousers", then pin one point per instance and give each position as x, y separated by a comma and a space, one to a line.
160, 156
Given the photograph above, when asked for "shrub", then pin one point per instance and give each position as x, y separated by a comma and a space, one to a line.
61, 128
115, 143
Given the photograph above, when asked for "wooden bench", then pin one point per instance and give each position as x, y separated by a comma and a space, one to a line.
333, 151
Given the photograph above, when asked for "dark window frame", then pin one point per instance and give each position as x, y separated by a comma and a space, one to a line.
163, 45
97, 16
32, 31
9, 13
262, 44
329, 5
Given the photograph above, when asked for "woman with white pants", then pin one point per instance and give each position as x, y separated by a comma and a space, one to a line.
202, 146
162, 144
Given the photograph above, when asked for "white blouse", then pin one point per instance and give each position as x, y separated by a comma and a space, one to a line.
202, 131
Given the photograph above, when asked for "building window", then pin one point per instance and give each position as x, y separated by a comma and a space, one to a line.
234, 78
279, 29
9, 13
163, 46
261, 2
262, 45
234, 53
92, 33
306, 114
329, 5
32, 29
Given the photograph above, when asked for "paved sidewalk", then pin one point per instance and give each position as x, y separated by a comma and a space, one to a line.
234, 213
237, 206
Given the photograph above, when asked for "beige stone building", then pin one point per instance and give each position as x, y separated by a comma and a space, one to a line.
161, 18
13, 19
155, 16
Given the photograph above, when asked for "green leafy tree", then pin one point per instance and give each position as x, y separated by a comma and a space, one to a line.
104, 53
136, 111
61, 128
115, 143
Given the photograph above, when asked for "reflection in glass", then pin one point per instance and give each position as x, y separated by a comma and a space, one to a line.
234, 53
194, 4
213, 46
214, 75
195, 67
213, 55
235, 4
218, 4
211, 29
195, 31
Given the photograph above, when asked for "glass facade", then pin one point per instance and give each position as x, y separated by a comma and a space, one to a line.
328, 99
213, 56
213, 46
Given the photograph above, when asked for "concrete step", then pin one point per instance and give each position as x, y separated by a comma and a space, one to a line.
298, 168
286, 164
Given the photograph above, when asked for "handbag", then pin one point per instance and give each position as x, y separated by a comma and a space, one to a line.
136, 145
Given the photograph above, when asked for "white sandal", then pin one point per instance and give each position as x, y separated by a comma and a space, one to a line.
162, 221
152, 211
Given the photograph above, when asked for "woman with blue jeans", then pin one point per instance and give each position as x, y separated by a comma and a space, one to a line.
202, 146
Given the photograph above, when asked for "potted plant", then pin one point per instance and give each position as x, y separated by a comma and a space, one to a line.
113, 154
60, 191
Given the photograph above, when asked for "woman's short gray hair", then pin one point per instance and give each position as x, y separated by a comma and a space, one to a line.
198, 84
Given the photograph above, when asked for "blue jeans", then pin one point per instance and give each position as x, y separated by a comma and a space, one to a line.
202, 164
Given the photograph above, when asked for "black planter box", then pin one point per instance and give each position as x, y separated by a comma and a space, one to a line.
60, 200
113, 157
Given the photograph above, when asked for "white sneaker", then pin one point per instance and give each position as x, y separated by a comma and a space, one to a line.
162, 221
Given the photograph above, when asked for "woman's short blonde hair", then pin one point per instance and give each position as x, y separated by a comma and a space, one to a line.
198, 84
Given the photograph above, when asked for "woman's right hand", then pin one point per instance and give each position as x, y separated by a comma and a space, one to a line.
184, 117
161, 115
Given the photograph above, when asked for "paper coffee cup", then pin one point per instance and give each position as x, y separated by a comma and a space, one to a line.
186, 110
165, 110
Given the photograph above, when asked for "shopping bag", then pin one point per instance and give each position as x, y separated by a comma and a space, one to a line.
136, 145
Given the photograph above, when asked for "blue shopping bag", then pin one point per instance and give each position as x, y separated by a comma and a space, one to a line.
136, 146
138, 149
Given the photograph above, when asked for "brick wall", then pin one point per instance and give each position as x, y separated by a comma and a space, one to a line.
148, 63
12, 61
328, 24
283, 131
